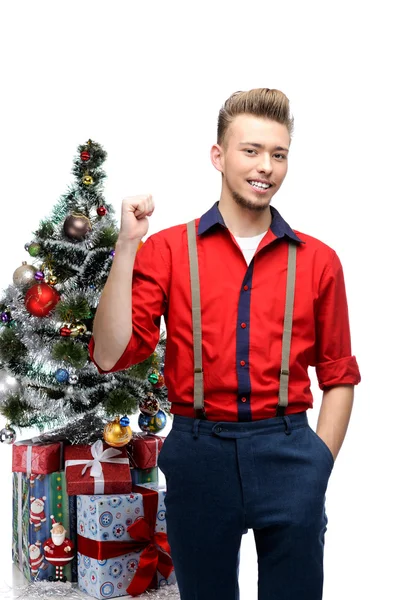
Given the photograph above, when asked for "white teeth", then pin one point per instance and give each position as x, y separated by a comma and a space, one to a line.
265, 186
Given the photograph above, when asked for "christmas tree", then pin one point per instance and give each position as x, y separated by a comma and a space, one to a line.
46, 377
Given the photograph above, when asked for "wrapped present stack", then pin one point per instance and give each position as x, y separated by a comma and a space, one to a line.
94, 514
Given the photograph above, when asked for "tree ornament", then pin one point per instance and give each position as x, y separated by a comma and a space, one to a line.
150, 406
34, 249
24, 276
27, 246
78, 329
112, 253
52, 280
8, 435
73, 379
152, 424
40, 299
125, 421
39, 275
85, 156
117, 435
153, 377
8, 383
65, 331
5, 317
87, 179
160, 383
101, 211
76, 226
62, 375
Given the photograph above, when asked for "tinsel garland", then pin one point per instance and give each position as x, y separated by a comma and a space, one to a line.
70, 591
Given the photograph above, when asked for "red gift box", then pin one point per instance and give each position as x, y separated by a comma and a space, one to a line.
97, 469
36, 459
144, 450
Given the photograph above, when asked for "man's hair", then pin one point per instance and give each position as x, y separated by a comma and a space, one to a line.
261, 102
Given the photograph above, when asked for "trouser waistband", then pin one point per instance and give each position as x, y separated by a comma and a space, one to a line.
236, 429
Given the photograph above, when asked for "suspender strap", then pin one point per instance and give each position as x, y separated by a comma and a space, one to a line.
197, 327
289, 309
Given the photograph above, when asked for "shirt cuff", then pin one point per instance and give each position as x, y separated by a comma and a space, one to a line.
344, 371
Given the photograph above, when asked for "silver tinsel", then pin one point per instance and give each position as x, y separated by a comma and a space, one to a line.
37, 590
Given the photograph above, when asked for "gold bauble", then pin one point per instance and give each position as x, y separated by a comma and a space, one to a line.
24, 276
78, 329
87, 179
116, 435
52, 280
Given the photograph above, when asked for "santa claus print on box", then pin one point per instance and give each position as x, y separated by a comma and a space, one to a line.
58, 550
35, 499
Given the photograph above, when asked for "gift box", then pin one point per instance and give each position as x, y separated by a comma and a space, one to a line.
39, 459
36, 498
122, 543
97, 469
144, 475
144, 449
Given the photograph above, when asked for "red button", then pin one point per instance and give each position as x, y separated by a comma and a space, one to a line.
245, 287
243, 399
242, 363
243, 325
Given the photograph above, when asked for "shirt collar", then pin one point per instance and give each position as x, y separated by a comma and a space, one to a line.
279, 227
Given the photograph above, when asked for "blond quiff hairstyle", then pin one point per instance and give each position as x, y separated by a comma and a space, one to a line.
261, 102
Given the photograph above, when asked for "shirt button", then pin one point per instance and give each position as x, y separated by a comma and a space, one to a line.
245, 287
243, 325
243, 399
242, 363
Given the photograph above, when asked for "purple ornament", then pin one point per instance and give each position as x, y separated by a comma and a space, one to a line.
4, 317
112, 253
39, 275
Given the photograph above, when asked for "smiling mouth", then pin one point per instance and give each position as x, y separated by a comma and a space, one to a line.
259, 188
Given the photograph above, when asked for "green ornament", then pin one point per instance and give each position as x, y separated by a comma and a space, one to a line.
153, 378
34, 249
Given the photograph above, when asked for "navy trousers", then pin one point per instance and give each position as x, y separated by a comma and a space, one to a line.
225, 477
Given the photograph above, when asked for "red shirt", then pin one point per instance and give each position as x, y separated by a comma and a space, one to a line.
242, 319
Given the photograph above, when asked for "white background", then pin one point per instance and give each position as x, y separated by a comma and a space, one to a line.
146, 80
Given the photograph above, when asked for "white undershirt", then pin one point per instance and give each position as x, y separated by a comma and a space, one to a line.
249, 245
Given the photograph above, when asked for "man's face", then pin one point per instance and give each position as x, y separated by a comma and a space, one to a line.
257, 149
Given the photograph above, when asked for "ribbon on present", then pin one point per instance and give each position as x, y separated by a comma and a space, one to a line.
154, 547
99, 456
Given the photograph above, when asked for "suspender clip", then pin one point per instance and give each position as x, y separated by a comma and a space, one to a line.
284, 372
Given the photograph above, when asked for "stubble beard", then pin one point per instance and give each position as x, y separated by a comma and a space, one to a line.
249, 204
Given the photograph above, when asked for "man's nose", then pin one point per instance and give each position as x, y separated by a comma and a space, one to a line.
265, 164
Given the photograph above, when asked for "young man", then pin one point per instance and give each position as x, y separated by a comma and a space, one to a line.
269, 301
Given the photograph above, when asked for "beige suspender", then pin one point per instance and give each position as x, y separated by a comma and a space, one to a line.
197, 327
196, 310
289, 310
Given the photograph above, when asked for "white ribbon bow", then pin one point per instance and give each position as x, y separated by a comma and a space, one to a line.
99, 456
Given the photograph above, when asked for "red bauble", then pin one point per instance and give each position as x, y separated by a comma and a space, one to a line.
101, 211
40, 299
85, 155
65, 331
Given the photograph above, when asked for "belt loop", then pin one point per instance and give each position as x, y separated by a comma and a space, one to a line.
288, 426
195, 428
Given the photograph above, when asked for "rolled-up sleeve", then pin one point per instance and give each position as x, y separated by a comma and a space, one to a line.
335, 364
150, 284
